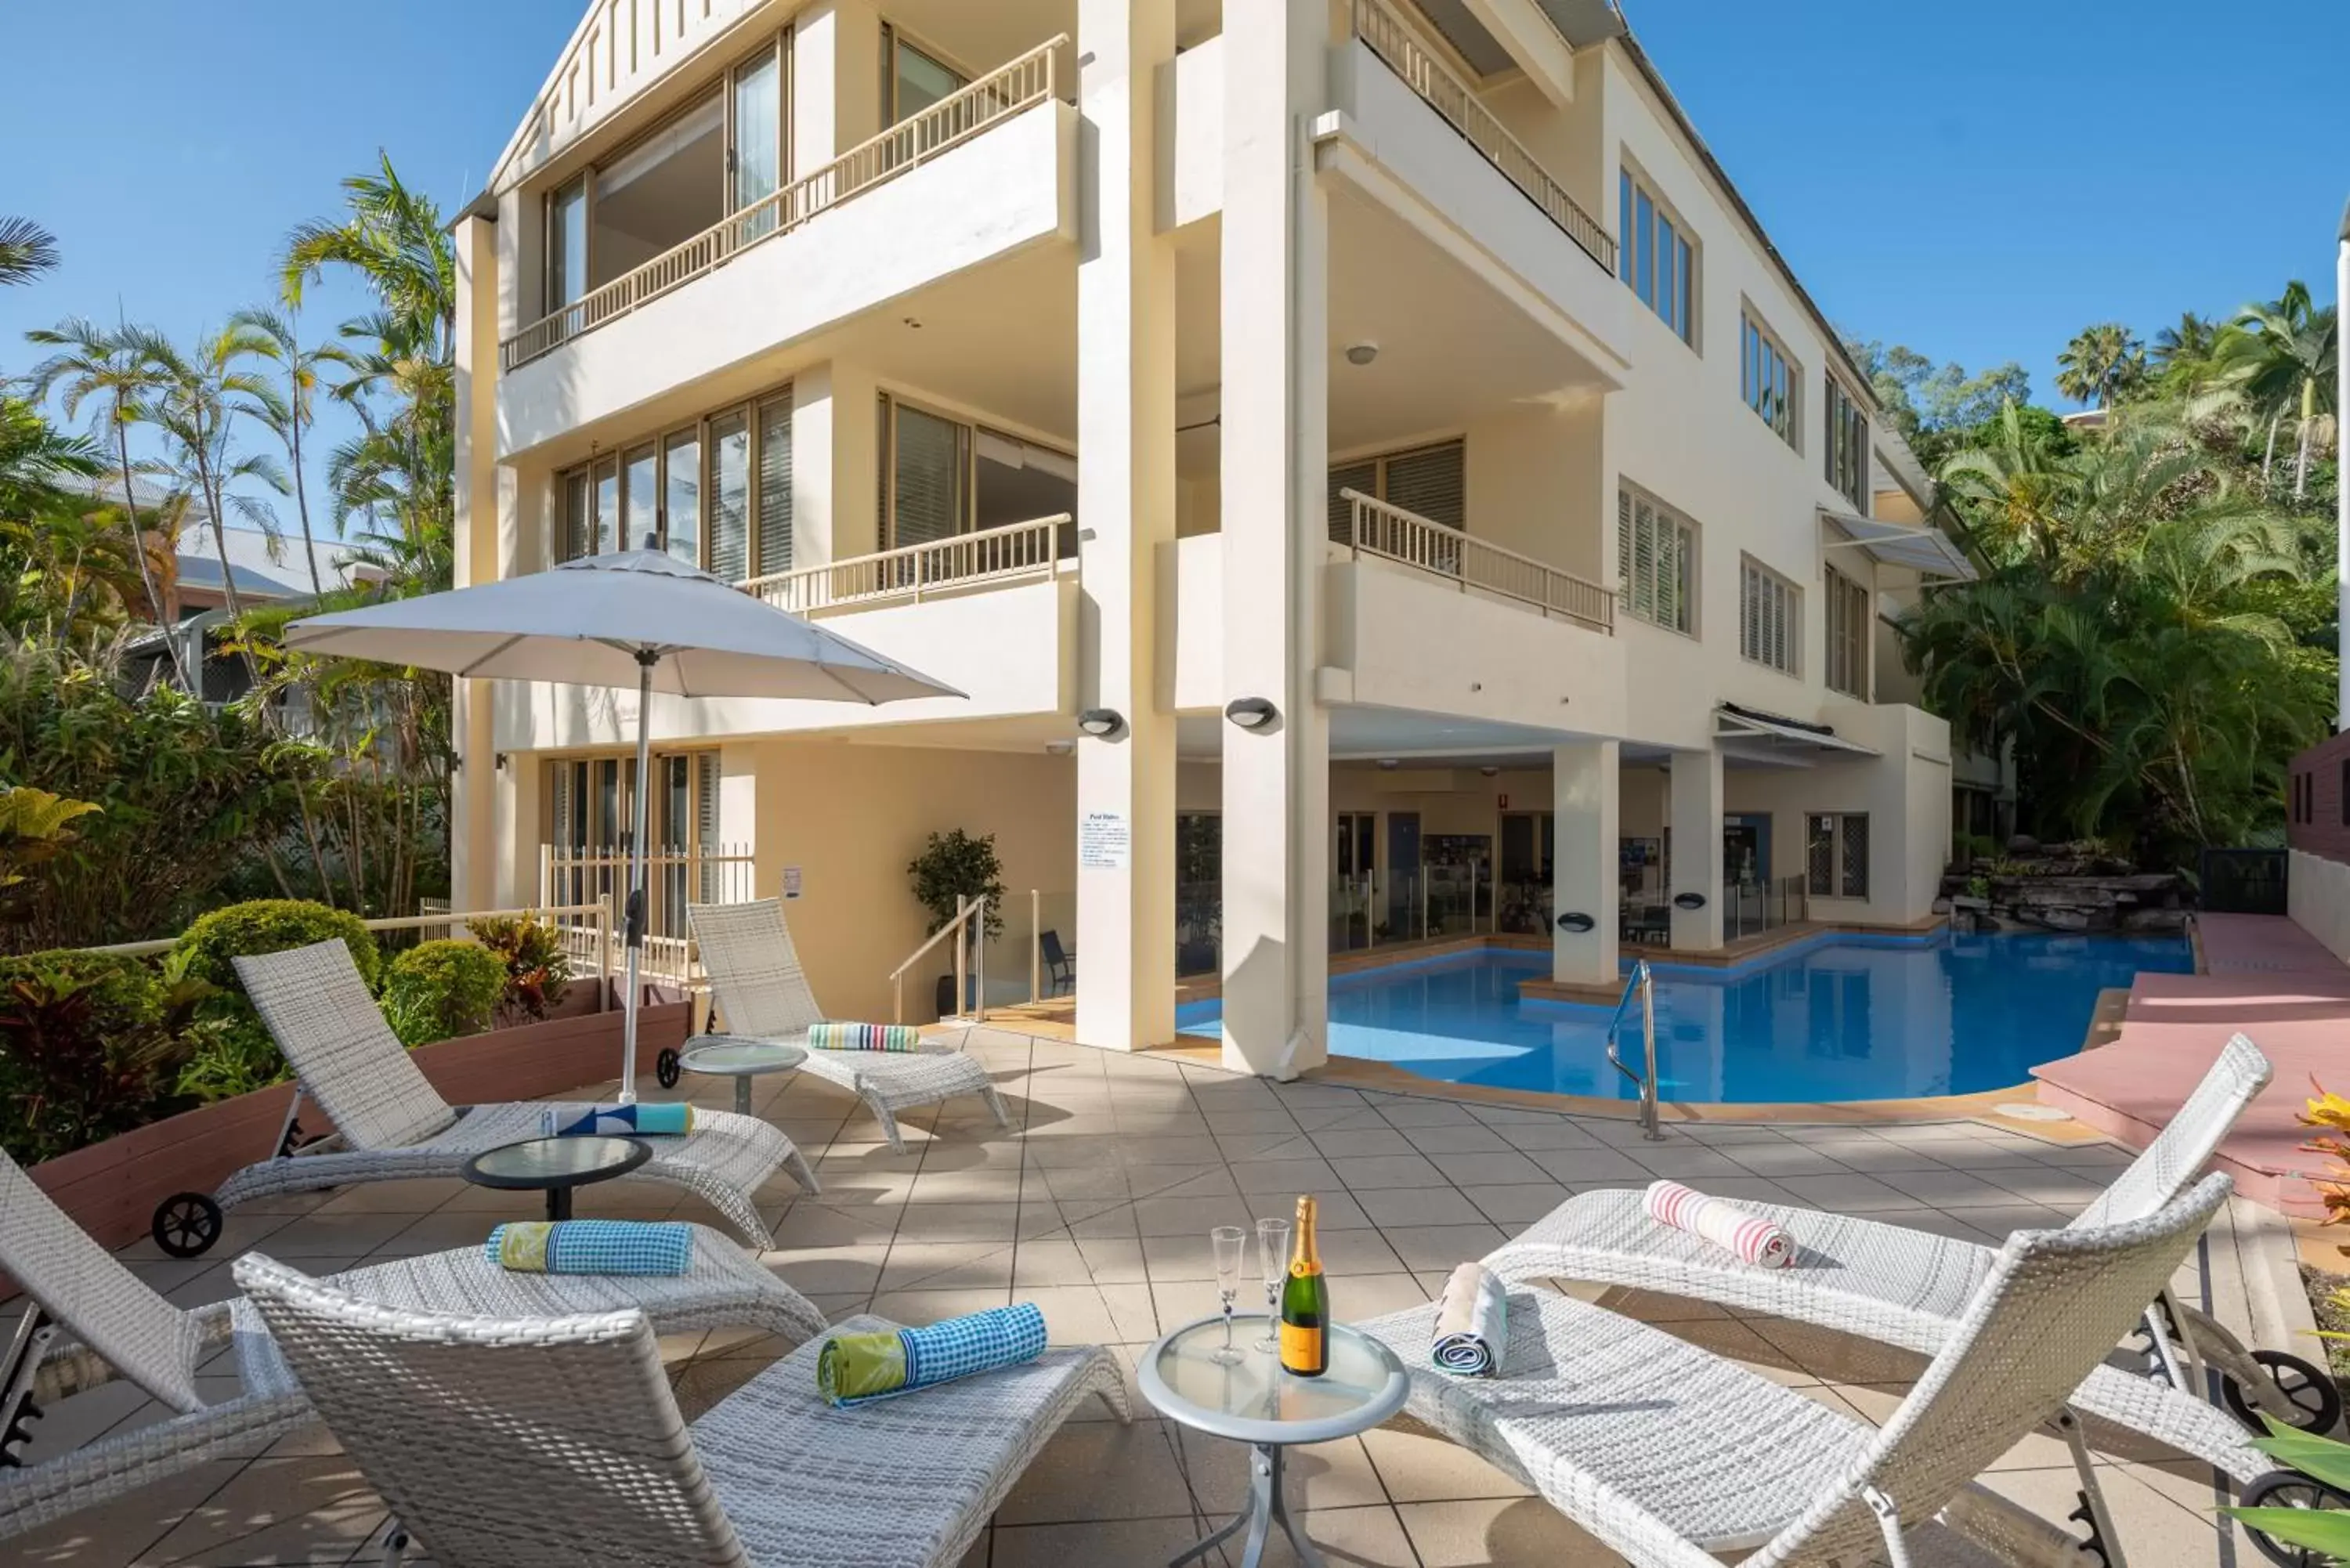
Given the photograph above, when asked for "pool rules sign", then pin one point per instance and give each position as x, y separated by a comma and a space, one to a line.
1104, 842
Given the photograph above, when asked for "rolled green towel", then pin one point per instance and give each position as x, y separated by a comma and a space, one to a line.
854, 1367
864, 1037
592, 1247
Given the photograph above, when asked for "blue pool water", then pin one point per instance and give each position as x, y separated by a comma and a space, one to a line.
1847, 1018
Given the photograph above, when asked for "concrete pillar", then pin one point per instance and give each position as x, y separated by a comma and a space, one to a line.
834, 430
1694, 814
1583, 784
1126, 504
472, 814
835, 81
1275, 436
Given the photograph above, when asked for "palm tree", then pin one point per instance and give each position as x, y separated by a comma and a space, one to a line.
2182, 351
194, 407
27, 249
288, 414
2281, 355
2100, 363
2014, 491
108, 370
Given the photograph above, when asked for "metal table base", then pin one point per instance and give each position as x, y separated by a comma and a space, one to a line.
1266, 1507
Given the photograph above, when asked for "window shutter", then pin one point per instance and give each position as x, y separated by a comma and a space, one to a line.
927, 468
577, 523
1363, 477
776, 484
730, 496
1855, 856
1819, 856
1432, 483
706, 777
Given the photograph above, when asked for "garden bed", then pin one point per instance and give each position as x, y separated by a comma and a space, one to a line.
110, 1189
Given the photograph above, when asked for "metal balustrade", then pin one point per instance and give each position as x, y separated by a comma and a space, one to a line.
1393, 42
999, 96
1035, 550
1390, 533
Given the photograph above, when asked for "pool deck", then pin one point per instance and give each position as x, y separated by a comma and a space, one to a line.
2260, 975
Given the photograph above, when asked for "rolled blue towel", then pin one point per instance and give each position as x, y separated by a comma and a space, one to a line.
592, 1247
1472, 1323
673, 1119
855, 1368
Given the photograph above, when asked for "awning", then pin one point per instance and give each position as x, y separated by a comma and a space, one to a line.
1774, 732
1928, 552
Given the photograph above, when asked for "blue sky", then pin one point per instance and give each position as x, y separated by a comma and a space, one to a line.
1978, 184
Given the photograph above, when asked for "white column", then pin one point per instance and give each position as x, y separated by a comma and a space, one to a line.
1275, 435
1694, 814
835, 421
474, 830
1125, 504
835, 81
1583, 790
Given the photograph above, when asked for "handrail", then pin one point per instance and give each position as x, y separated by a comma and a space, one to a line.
1008, 91
1643, 984
968, 909
1377, 528
1005, 554
1436, 85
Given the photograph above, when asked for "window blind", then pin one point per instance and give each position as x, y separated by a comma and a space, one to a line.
776, 484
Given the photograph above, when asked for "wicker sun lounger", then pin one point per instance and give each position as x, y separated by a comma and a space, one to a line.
1671, 1455
93, 1321
568, 1446
763, 994
391, 1123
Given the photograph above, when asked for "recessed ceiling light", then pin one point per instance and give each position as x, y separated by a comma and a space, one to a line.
1390, 764
1361, 353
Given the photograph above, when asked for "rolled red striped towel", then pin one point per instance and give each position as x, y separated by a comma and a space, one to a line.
1754, 1239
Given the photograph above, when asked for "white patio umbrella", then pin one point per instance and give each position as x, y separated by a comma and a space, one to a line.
641, 619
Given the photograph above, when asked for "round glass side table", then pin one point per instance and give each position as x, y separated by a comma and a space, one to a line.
556, 1166
1256, 1403
741, 1060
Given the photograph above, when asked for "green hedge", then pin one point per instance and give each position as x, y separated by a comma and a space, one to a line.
91, 1044
235, 1053
441, 990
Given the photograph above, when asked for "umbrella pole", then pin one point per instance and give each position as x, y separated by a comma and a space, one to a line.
646, 659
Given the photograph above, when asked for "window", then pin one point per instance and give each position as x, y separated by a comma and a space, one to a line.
912, 80
1656, 561
1429, 482
1656, 257
941, 477
1847, 444
566, 244
1847, 636
696, 492
1767, 379
1769, 629
1835, 853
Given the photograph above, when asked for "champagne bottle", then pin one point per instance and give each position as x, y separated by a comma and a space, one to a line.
1305, 1304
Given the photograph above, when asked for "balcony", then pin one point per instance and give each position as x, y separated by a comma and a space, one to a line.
1000, 97
1391, 533
1043, 550
1387, 37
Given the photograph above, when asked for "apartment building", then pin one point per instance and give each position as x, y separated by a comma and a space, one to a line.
1369, 469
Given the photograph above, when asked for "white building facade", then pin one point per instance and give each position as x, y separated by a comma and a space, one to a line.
1370, 471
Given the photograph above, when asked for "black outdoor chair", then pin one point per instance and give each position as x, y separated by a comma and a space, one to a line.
1060, 968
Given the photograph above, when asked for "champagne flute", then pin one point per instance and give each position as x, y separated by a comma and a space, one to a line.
1231, 1245
1273, 1257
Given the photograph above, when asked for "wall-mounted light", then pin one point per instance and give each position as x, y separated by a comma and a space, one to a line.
1101, 723
499, 761
1575, 921
1251, 712
1388, 765
1361, 353
1688, 901
1060, 748
1489, 771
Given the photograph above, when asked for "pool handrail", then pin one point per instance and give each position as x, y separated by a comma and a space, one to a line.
1643, 985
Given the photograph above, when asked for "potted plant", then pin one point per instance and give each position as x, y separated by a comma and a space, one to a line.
953, 867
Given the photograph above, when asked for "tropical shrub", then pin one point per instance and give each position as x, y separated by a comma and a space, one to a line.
538, 969
90, 1044
438, 991
955, 866
234, 1053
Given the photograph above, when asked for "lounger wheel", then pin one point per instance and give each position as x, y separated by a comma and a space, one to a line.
2289, 1489
2316, 1403
666, 1069
186, 1224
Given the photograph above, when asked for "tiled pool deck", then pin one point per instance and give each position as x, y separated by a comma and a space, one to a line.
1096, 1205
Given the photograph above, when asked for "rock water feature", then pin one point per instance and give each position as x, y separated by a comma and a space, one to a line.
2063, 887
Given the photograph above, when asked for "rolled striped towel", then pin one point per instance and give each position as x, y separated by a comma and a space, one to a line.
592, 1247
864, 1037
1472, 1323
1755, 1240
641, 1120
853, 1369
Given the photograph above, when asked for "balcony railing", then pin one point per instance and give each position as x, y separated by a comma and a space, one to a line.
1389, 532
1393, 43
997, 96
1018, 552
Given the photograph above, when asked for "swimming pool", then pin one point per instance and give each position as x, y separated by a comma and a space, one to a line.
1849, 1017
